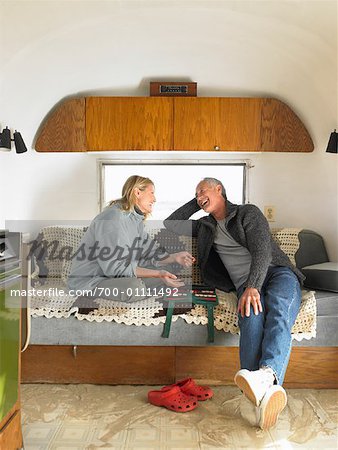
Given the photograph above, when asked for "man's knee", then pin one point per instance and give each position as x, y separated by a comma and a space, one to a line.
285, 277
252, 322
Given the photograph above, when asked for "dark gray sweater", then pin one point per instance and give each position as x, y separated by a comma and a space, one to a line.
248, 226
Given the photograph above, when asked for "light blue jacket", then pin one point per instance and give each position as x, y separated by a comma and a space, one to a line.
113, 246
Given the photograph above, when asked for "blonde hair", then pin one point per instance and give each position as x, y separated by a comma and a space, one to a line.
128, 200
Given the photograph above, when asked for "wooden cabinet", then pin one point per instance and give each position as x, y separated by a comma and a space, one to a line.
216, 123
174, 123
10, 316
129, 123
238, 124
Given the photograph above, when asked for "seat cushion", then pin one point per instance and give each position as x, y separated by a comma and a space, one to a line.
322, 276
311, 249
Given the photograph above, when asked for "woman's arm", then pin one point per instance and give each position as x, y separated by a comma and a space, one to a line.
168, 278
153, 254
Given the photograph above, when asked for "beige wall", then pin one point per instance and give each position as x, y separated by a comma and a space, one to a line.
282, 49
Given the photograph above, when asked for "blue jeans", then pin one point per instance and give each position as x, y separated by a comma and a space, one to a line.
265, 339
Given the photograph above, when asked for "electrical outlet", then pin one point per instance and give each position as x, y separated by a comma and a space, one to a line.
269, 213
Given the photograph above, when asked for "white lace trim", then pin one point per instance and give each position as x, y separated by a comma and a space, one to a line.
51, 305
144, 312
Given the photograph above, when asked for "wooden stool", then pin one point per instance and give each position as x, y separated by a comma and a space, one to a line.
199, 295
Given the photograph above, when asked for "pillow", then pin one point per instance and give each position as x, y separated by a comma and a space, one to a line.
45, 251
52, 251
322, 276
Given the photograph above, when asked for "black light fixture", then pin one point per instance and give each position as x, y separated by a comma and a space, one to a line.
6, 141
20, 146
332, 146
5, 138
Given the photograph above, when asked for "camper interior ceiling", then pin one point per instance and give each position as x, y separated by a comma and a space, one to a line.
168, 225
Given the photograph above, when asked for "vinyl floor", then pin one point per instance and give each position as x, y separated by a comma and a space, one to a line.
60, 417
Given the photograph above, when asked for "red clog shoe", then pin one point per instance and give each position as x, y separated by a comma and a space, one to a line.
189, 387
171, 397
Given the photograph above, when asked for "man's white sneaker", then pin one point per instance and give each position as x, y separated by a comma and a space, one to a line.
255, 383
272, 404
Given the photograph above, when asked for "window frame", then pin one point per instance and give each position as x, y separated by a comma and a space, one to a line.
101, 163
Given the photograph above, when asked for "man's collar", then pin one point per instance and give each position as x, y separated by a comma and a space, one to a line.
231, 210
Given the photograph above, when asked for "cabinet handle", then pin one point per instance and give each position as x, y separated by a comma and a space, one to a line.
216, 147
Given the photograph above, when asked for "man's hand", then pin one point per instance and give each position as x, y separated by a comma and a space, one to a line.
170, 279
185, 259
250, 297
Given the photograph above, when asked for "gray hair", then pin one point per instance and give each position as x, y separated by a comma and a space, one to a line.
215, 182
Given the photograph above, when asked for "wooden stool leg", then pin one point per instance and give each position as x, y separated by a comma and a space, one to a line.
169, 315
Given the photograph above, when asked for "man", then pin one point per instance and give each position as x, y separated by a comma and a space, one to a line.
237, 252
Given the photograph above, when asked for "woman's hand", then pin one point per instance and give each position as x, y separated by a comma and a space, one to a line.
185, 259
250, 296
170, 279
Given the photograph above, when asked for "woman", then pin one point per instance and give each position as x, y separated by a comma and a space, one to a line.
116, 259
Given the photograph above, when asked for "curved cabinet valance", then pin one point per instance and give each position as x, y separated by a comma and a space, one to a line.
173, 123
64, 128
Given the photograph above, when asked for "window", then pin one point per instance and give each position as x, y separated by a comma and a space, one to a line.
175, 183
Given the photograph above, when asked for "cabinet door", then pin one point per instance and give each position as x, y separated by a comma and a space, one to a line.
9, 344
129, 123
212, 123
10, 423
